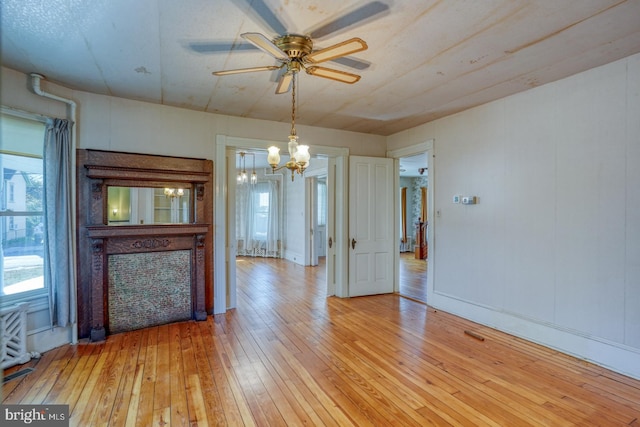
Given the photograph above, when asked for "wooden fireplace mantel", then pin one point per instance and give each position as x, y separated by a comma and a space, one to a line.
96, 240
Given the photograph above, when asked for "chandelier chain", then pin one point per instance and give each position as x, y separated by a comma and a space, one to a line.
293, 105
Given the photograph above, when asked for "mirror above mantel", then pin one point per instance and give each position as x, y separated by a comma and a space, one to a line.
149, 205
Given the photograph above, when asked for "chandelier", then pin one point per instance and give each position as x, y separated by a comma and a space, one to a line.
242, 169
174, 192
298, 154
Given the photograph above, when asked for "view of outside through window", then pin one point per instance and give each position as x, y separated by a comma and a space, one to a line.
322, 203
21, 210
261, 218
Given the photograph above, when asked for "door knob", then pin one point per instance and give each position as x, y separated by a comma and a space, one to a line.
353, 243
330, 242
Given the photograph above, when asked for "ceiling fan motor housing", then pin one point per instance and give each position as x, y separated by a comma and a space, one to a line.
294, 45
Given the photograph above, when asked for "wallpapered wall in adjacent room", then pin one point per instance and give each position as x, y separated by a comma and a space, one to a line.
416, 198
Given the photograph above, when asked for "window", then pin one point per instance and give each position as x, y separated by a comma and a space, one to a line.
261, 206
21, 210
322, 203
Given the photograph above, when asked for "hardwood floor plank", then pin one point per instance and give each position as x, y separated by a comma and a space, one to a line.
298, 390
226, 410
178, 388
288, 355
27, 384
197, 407
147, 359
87, 403
123, 396
67, 392
213, 405
134, 402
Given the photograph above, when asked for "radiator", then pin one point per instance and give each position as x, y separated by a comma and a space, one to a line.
13, 338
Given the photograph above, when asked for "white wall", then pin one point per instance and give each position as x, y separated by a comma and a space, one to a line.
552, 251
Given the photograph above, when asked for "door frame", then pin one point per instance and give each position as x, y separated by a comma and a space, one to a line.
428, 147
224, 280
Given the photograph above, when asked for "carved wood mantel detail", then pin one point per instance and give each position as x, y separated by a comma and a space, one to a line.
96, 171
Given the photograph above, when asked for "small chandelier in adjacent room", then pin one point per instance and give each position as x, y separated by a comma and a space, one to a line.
298, 154
174, 192
242, 169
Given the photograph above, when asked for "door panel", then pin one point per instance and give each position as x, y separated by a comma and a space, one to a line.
371, 210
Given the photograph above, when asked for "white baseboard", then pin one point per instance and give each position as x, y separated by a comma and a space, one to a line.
616, 357
294, 257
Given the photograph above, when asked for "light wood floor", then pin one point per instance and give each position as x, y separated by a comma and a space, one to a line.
413, 277
290, 356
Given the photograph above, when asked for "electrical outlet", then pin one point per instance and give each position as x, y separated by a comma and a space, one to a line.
456, 198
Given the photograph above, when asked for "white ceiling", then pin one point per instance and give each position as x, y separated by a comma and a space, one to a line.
428, 59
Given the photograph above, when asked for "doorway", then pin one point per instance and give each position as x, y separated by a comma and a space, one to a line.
414, 184
316, 195
292, 245
415, 221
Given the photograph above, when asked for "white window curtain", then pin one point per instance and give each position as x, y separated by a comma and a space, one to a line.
258, 219
59, 275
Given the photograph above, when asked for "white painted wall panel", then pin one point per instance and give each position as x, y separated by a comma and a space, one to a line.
530, 196
552, 250
632, 214
591, 207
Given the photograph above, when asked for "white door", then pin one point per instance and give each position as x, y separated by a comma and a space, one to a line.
371, 220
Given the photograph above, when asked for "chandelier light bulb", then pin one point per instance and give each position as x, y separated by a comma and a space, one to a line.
302, 155
273, 157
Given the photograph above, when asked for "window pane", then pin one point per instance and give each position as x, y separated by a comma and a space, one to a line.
261, 217
322, 203
21, 205
23, 250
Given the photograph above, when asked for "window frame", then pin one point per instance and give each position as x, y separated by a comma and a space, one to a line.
33, 294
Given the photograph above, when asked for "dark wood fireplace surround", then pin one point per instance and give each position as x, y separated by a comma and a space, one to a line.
96, 240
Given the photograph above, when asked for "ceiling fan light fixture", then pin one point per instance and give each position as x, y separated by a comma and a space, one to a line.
344, 48
298, 154
328, 73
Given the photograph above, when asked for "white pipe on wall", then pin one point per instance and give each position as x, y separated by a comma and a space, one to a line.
35, 82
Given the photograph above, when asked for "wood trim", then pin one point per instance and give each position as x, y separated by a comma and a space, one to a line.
138, 174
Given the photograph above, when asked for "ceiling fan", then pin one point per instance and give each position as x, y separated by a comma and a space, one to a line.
295, 52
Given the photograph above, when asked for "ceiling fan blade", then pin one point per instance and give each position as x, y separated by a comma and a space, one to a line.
359, 15
245, 70
344, 48
259, 11
214, 47
266, 45
284, 84
329, 73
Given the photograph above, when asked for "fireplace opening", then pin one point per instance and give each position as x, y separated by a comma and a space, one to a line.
148, 289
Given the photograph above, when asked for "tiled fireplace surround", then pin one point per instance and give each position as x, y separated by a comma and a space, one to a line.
122, 281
